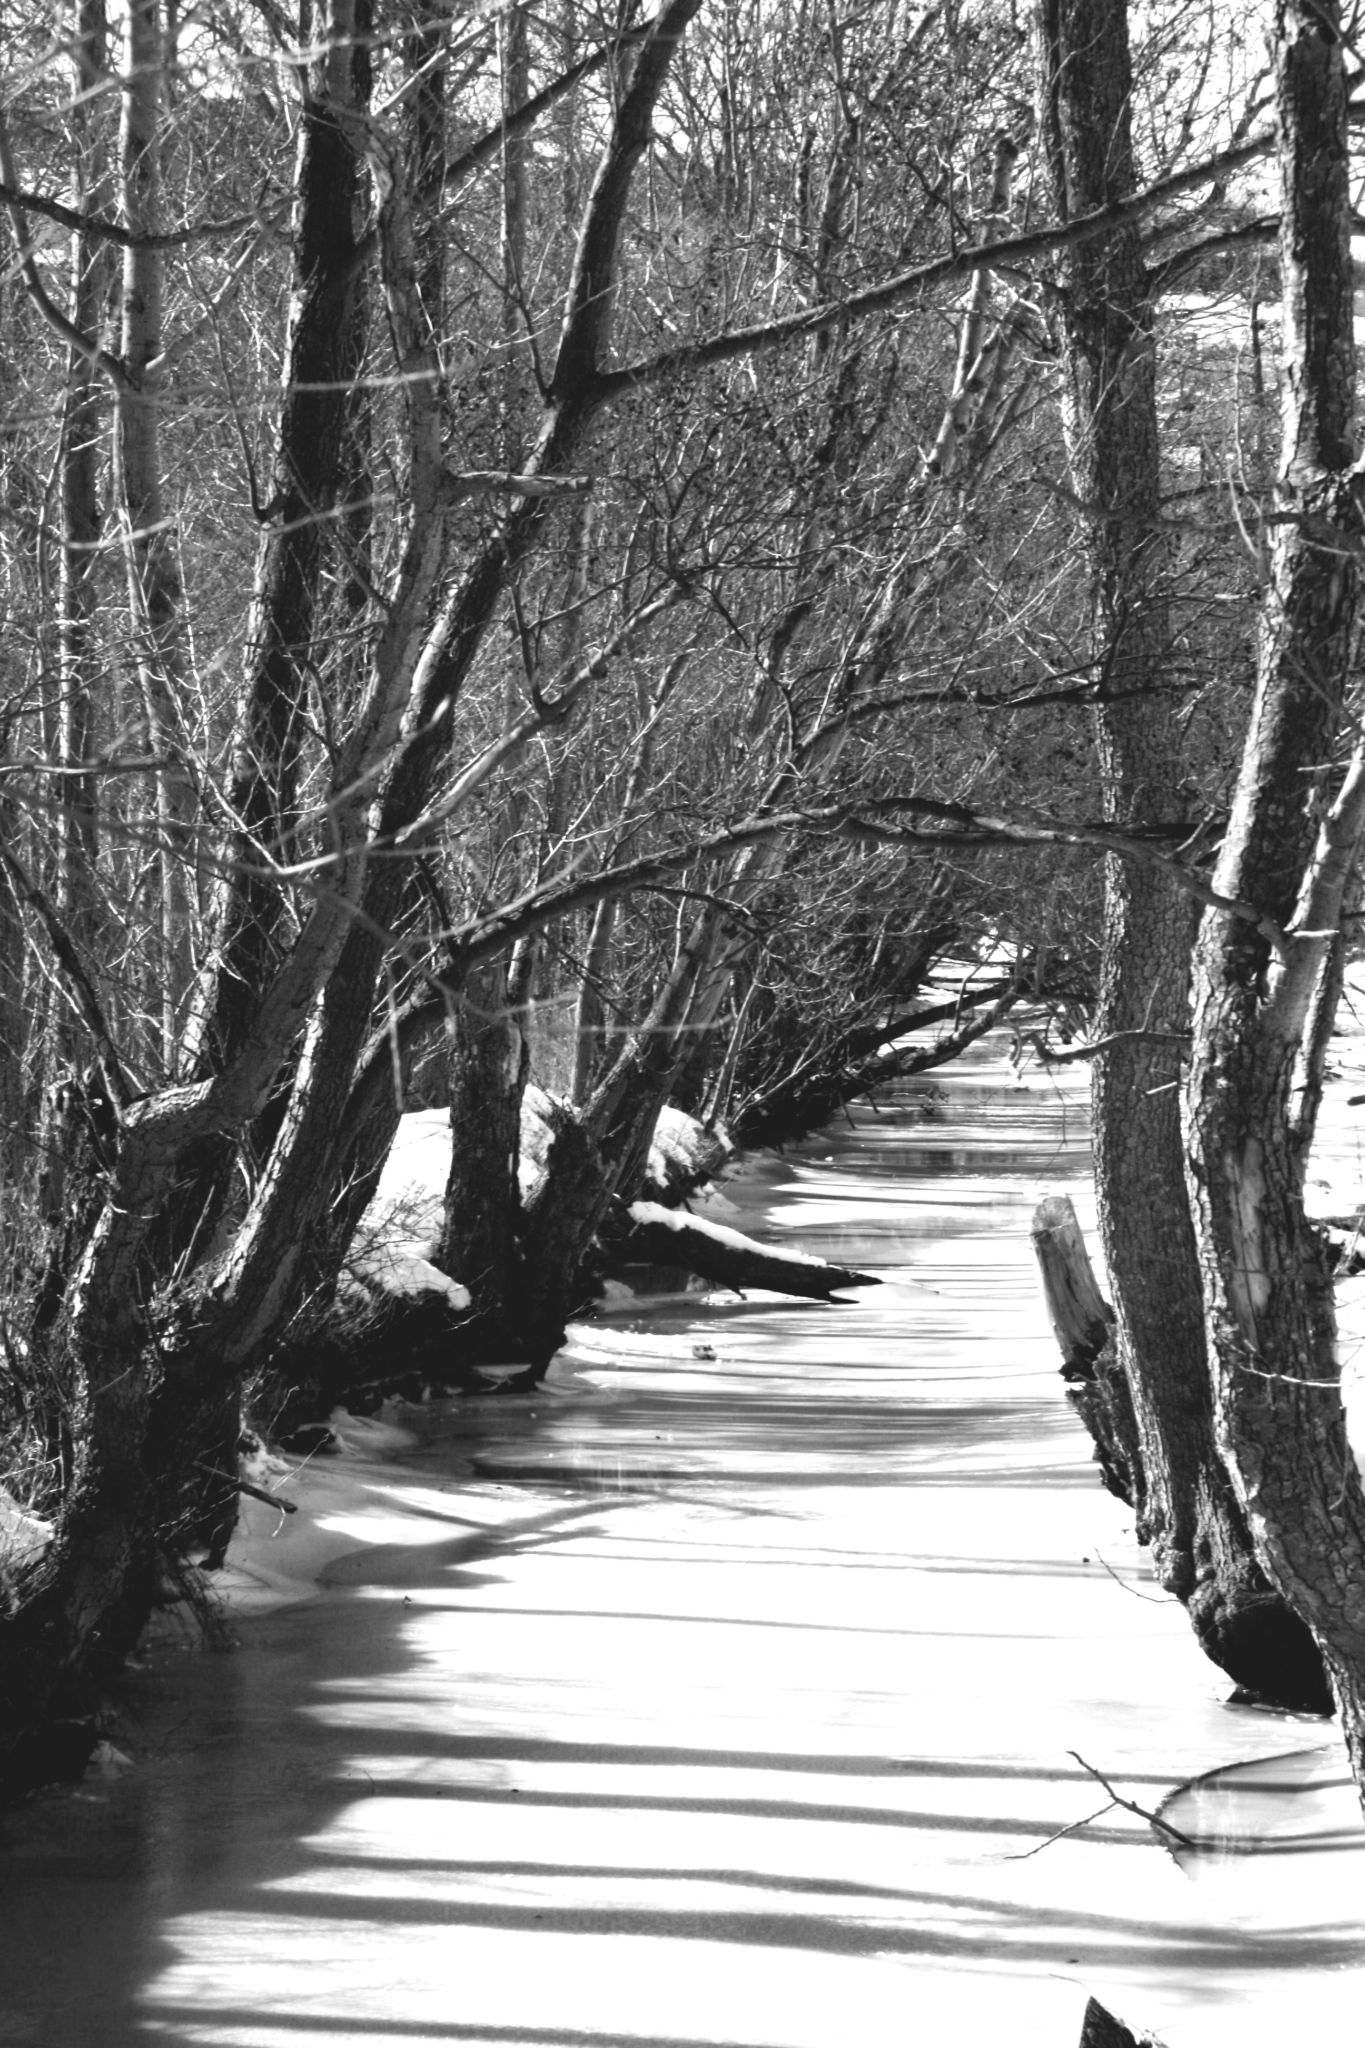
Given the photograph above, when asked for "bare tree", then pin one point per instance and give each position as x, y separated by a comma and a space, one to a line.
1186, 1507
1266, 978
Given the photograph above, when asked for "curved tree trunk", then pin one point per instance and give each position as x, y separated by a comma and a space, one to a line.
1266, 966
1186, 1508
480, 1242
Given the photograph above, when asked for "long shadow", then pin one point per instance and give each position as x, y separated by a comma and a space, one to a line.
233, 1773
742, 1621
805, 1812
543, 1750
1158, 1947
231, 1822
329, 2023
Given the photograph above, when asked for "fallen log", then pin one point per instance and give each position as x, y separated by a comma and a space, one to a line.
672, 1237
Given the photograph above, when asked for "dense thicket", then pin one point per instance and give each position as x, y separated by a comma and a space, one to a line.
600, 549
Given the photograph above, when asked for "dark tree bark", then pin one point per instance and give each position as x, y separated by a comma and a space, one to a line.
316, 447
1266, 973
1083, 1324
480, 1242
1187, 1510
1099, 2029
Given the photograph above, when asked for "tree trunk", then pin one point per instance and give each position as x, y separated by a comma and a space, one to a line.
562, 1219
316, 450
82, 432
480, 1242
1202, 1551
1266, 966
1083, 1324
157, 1324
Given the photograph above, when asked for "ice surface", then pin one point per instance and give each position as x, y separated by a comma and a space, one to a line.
731, 1689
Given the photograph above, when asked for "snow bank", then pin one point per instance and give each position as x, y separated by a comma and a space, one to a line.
401, 1225
685, 1152
343, 1498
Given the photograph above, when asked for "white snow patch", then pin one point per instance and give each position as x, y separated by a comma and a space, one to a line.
683, 1149
345, 1498
408, 1274
399, 1229
23, 1535
615, 1294
401, 1225
412, 1184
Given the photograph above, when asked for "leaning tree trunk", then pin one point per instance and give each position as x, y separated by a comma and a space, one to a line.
1186, 1508
480, 1242
1266, 963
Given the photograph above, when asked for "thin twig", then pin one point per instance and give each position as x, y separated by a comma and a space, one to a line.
1022, 1855
272, 1500
1151, 1600
1153, 1819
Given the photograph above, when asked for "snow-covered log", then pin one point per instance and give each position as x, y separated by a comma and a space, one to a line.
671, 1237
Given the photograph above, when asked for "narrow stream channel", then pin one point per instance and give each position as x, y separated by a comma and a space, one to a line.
731, 1690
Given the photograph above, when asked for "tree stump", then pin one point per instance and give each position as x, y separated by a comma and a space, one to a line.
1081, 1317
1099, 2029
1083, 1324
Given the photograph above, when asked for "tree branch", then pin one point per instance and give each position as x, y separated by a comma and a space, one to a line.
882, 298
102, 229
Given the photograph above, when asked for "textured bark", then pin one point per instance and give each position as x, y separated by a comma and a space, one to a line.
480, 1241
153, 1395
1100, 2029
317, 1137
1264, 981
158, 1325
316, 448
1187, 1512
1083, 1324
562, 1219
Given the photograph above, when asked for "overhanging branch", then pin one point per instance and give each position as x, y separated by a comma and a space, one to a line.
894, 291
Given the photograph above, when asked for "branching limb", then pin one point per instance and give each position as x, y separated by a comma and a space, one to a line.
895, 291
1153, 1819
50, 311
1054, 1056
271, 1500
82, 988
105, 230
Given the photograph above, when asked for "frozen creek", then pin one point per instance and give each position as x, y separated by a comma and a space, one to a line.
724, 1692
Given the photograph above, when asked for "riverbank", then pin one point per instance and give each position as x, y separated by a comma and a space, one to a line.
731, 1689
